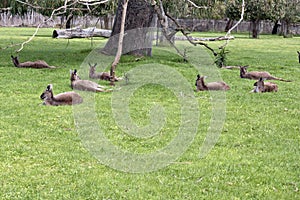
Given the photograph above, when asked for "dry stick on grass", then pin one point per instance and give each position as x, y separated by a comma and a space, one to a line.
120, 45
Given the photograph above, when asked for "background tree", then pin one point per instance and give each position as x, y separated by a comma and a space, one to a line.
139, 17
290, 12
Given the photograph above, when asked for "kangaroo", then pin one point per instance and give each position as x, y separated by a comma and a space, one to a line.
86, 85
201, 86
100, 75
67, 98
39, 64
298, 56
257, 75
261, 86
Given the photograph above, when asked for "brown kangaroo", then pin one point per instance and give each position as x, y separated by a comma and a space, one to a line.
86, 85
261, 86
66, 98
100, 75
256, 75
201, 86
39, 64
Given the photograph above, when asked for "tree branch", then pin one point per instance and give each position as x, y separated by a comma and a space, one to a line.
204, 7
58, 11
120, 44
233, 27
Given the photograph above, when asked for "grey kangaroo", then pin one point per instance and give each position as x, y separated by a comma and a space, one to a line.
100, 75
261, 86
202, 86
66, 98
39, 64
86, 85
256, 75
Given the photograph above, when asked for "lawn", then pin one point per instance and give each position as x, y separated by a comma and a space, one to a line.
56, 152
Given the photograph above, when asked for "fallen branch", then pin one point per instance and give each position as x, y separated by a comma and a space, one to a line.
81, 33
195, 39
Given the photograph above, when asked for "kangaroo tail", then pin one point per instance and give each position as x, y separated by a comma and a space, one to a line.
280, 79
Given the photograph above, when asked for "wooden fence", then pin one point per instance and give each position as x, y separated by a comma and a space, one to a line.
33, 19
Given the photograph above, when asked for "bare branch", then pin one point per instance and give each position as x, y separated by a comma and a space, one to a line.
240, 20
195, 5
92, 2
28, 4
120, 44
58, 11
233, 27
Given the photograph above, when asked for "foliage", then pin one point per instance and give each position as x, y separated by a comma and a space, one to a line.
221, 58
256, 157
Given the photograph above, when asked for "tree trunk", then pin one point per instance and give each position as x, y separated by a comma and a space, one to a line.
138, 18
255, 28
69, 20
229, 25
275, 28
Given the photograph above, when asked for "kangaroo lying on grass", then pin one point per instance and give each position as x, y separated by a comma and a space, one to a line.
86, 85
100, 75
257, 75
261, 86
67, 98
39, 64
201, 86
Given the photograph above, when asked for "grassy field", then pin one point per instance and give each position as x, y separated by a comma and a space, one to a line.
43, 155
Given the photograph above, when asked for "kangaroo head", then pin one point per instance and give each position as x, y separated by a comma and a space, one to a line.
92, 67
200, 83
15, 60
198, 78
74, 75
243, 70
47, 94
259, 85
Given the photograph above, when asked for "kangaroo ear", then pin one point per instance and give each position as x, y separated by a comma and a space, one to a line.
75, 71
298, 52
255, 84
89, 64
198, 76
71, 72
49, 87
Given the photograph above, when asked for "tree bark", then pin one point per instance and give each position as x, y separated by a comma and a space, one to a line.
138, 18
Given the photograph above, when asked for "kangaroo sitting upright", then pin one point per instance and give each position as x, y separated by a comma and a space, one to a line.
201, 86
261, 86
67, 98
29, 64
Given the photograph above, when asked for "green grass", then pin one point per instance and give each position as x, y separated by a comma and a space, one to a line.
43, 157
